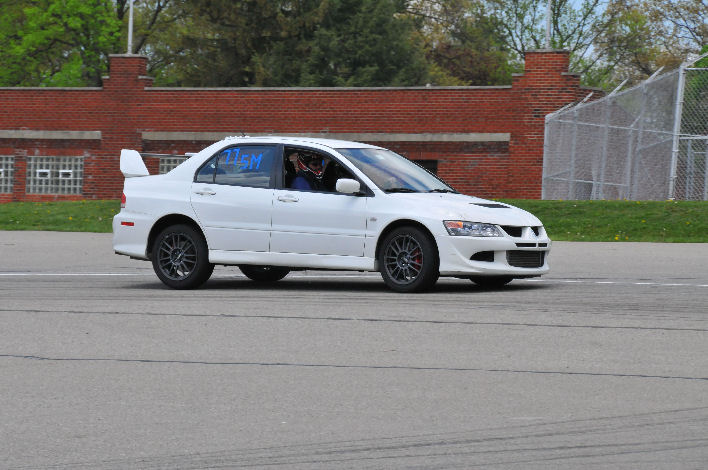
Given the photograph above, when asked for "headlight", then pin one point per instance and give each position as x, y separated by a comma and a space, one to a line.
471, 229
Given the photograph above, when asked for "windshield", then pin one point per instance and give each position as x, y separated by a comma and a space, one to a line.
394, 173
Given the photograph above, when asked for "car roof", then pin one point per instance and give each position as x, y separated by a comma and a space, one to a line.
303, 140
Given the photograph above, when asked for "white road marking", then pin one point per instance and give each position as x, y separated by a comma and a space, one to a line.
73, 274
347, 276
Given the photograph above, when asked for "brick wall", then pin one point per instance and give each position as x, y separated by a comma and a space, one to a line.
488, 141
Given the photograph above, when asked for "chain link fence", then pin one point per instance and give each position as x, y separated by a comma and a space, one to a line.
646, 143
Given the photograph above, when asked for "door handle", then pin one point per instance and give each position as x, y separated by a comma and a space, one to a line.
288, 198
205, 192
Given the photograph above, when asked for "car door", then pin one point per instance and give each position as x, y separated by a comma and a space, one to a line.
232, 196
318, 222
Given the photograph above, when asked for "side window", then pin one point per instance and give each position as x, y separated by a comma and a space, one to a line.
206, 173
323, 173
332, 172
245, 165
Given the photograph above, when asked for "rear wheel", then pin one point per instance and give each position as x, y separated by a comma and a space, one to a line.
409, 260
492, 282
180, 257
264, 273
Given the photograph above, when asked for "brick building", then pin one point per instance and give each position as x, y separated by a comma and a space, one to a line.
64, 143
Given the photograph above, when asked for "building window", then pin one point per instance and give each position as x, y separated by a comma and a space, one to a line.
55, 175
7, 169
167, 164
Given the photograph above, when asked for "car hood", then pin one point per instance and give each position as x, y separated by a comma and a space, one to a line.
448, 206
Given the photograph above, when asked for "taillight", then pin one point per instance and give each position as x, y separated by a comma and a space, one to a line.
122, 200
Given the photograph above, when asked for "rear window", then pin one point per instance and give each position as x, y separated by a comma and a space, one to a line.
244, 165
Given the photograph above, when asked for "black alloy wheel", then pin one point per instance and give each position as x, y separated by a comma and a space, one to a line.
408, 260
180, 257
264, 273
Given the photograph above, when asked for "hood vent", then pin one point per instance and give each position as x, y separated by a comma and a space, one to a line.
489, 205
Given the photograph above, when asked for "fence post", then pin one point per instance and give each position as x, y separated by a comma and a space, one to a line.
546, 153
689, 170
705, 172
628, 166
634, 158
571, 176
605, 143
678, 111
635, 154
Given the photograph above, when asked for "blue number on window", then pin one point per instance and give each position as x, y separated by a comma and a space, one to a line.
243, 162
256, 159
228, 155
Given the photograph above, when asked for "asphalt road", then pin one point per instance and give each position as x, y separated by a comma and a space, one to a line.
603, 363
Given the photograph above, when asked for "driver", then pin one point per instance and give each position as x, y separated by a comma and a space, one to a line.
309, 174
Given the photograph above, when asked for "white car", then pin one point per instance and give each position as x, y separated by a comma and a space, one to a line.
241, 201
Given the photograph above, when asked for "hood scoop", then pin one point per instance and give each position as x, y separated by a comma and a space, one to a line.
489, 205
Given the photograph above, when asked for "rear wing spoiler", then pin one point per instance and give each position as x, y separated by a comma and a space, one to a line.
132, 164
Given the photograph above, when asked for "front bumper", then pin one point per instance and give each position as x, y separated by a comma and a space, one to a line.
493, 256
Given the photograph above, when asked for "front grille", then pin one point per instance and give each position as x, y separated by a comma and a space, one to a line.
512, 231
525, 259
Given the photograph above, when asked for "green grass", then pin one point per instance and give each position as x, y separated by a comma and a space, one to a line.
622, 221
606, 221
62, 216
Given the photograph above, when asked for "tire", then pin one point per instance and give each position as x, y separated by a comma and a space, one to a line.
491, 282
408, 260
264, 273
180, 257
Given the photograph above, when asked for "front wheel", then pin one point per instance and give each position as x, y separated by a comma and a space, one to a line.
264, 273
180, 257
408, 260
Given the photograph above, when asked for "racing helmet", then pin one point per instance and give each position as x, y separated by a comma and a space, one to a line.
304, 162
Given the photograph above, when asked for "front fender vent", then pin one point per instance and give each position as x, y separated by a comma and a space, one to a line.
487, 256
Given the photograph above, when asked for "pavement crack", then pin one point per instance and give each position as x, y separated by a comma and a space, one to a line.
351, 366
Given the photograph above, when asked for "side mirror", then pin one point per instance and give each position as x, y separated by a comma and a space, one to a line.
347, 186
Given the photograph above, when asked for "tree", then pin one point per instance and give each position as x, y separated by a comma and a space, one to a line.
364, 43
685, 20
56, 42
574, 26
649, 34
288, 43
211, 42
149, 17
463, 42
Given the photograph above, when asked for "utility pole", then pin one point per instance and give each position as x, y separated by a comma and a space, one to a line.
548, 24
130, 29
